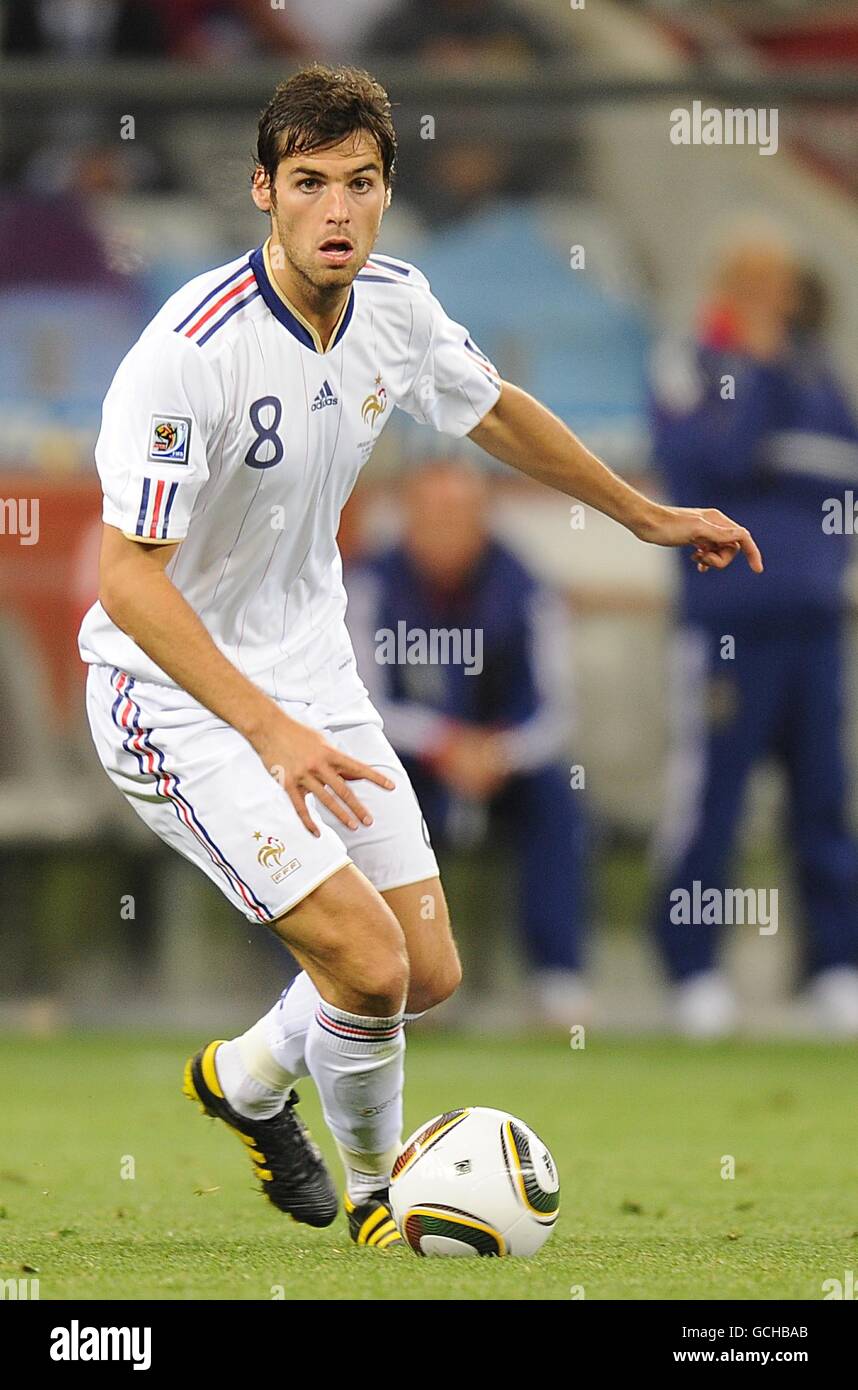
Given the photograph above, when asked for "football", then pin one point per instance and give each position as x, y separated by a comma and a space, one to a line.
475, 1181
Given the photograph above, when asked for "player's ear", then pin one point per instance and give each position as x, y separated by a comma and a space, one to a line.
260, 189
387, 196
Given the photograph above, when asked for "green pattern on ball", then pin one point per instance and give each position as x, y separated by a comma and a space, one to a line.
421, 1223
537, 1196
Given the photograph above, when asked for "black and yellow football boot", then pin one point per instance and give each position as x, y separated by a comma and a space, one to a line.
371, 1222
285, 1159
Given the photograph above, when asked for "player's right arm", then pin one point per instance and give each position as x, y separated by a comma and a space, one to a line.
163, 405
139, 598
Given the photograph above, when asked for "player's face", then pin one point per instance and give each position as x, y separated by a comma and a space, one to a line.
327, 209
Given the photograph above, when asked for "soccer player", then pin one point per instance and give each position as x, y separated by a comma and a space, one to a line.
222, 694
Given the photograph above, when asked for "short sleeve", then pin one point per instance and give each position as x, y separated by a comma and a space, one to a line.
151, 453
455, 385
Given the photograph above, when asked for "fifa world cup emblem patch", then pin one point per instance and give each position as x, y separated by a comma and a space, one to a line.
270, 856
169, 437
375, 404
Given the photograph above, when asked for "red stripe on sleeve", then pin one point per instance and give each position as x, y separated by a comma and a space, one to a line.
218, 304
159, 493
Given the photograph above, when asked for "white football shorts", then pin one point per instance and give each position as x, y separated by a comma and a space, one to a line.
200, 786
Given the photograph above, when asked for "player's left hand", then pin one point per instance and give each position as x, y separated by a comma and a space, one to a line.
717, 539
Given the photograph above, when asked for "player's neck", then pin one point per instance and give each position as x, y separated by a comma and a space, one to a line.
320, 310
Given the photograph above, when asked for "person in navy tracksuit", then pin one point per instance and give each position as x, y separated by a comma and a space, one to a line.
485, 735
753, 415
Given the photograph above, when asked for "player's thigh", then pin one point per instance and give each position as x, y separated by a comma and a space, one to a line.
200, 786
396, 855
350, 943
395, 850
422, 913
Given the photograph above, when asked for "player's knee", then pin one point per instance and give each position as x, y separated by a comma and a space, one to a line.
443, 983
375, 961
451, 981
382, 981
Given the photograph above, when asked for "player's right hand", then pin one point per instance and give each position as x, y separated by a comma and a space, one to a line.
716, 538
303, 762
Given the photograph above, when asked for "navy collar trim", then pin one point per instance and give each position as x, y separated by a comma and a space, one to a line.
284, 315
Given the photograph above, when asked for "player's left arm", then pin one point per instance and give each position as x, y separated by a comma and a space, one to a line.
521, 432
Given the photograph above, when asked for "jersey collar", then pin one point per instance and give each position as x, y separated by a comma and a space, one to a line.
286, 312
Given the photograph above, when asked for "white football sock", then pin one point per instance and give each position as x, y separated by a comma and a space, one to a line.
287, 1024
366, 1173
358, 1065
249, 1077
256, 1069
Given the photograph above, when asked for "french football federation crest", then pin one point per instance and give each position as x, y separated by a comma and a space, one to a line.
169, 438
375, 404
270, 856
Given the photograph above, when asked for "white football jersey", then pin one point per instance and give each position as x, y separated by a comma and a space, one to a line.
229, 428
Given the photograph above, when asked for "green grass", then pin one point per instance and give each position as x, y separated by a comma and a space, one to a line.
638, 1130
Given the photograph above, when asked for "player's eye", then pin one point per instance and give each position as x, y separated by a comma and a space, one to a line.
303, 183
366, 184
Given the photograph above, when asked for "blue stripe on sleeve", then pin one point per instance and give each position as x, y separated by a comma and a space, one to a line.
170, 495
224, 318
217, 289
144, 507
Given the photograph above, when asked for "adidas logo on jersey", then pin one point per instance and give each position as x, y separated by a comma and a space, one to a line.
324, 397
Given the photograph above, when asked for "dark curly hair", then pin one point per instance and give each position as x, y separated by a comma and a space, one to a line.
319, 107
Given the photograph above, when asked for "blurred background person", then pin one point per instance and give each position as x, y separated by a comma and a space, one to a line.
753, 414
459, 178
200, 31
83, 28
465, 169
465, 34
485, 738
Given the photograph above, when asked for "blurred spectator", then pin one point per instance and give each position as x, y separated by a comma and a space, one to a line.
483, 733
452, 180
752, 418
50, 240
202, 31
68, 147
85, 29
227, 31
59, 290
335, 32
464, 34
88, 161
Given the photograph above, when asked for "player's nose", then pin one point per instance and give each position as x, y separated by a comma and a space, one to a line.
337, 209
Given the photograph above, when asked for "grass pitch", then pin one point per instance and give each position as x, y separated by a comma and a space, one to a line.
641, 1132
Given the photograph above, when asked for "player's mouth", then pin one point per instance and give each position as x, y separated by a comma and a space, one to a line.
337, 250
